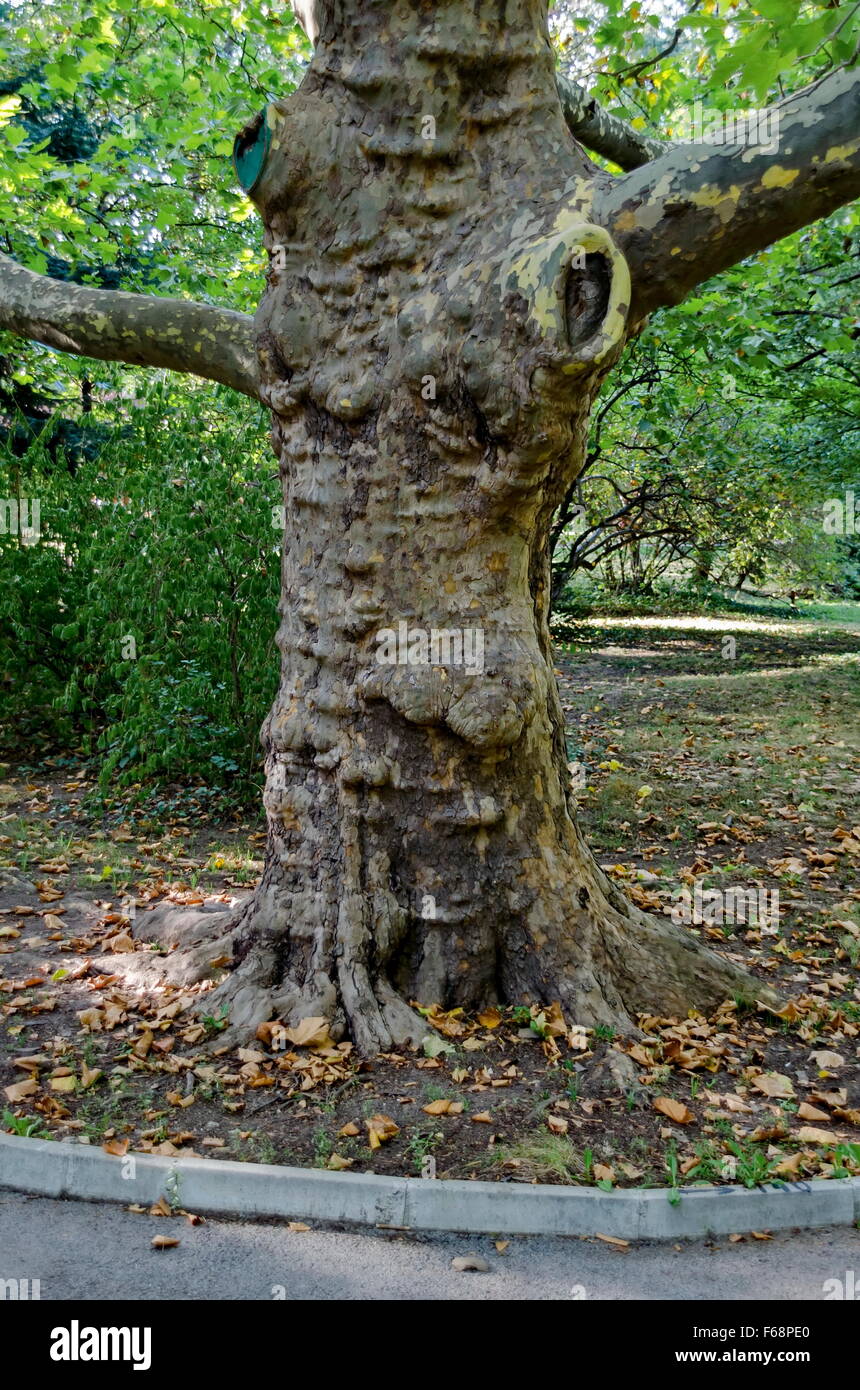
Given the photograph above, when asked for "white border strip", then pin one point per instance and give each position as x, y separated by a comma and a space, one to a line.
254, 1190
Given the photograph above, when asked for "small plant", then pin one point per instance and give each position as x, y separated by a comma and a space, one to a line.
604, 1032
421, 1145
216, 1023
323, 1148
172, 1185
22, 1125
673, 1170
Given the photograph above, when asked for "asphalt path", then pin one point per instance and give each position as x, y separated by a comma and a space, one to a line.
95, 1250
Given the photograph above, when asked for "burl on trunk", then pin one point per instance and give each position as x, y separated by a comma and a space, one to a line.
439, 314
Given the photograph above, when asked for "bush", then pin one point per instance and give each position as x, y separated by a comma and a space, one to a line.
142, 622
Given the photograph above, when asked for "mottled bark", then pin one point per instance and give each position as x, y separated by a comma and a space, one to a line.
136, 328
440, 311
600, 131
701, 208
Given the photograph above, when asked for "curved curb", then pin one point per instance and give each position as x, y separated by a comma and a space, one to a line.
256, 1190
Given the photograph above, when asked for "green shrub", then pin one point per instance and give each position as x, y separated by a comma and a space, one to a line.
142, 621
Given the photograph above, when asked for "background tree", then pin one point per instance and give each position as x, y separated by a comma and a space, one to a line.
452, 278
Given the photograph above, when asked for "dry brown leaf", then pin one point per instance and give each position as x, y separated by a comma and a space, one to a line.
613, 1240
674, 1110
21, 1090
119, 1148
484, 1118
437, 1107
827, 1061
807, 1134
775, 1085
310, 1032
788, 1167
809, 1112
379, 1129
164, 1242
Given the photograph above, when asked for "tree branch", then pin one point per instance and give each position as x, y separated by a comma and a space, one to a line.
699, 209
141, 329
601, 133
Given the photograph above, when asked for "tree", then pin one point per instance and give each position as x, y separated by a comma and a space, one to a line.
451, 279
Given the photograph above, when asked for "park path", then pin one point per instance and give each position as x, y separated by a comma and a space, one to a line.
89, 1250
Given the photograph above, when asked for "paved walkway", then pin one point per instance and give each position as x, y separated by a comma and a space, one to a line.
98, 1251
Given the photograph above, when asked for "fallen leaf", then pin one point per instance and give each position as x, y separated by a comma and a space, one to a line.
808, 1135
809, 1112
827, 1061
311, 1032
379, 1129
473, 1263
773, 1084
21, 1090
164, 1242
674, 1110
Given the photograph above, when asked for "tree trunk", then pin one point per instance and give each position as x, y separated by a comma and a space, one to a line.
439, 314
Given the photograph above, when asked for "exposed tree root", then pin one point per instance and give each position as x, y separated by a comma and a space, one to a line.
606, 968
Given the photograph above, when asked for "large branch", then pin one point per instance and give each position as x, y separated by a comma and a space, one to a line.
701, 208
140, 329
601, 133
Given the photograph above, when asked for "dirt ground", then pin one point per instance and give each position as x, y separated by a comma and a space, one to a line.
710, 754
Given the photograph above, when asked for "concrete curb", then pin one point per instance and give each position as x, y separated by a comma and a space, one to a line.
256, 1190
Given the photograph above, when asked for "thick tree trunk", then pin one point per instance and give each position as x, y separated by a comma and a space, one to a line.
439, 314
